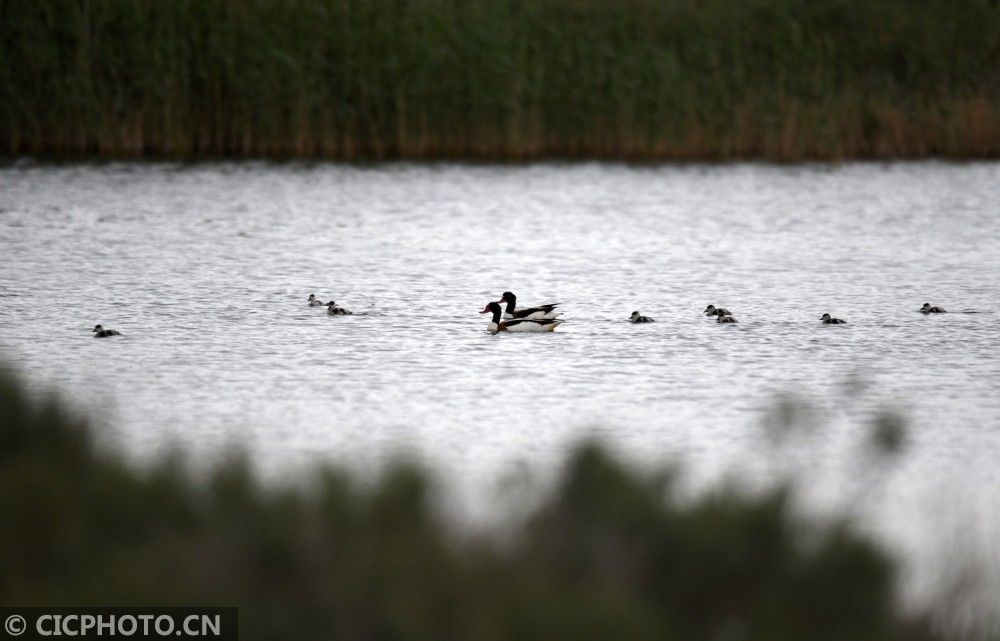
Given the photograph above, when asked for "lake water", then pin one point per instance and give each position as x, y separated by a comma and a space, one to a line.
205, 269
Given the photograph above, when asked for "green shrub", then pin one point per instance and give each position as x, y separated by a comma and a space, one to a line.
608, 555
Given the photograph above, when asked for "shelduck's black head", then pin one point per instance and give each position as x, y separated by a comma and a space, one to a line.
331, 304
508, 297
634, 314
493, 308
825, 317
98, 328
312, 296
926, 305
710, 308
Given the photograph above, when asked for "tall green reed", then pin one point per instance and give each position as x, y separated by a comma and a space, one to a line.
501, 79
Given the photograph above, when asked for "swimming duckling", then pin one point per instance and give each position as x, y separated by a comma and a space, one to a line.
725, 318
712, 310
637, 318
333, 310
100, 332
927, 309
315, 302
831, 321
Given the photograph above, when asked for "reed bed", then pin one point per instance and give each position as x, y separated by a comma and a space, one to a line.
783, 80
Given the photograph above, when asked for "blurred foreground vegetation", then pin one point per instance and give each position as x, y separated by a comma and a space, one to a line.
501, 79
609, 554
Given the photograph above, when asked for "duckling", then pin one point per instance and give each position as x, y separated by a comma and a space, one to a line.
725, 318
712, 310
927, 309
827, 320
637, 318
315, 302
333, 310
100, 332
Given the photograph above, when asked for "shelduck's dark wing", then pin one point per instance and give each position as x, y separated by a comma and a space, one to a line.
544, 309
523, 313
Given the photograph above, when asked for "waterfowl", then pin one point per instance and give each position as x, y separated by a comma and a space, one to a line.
712, 310
539, 311
831, 321
637, 318
927, 309
725, 318
100, 332
333, 310
315, 302
518, 324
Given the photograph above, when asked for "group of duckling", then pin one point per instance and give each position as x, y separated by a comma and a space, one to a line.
540, 318
721, 316
725, 316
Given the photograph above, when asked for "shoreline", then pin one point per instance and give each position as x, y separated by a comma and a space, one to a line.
8, 161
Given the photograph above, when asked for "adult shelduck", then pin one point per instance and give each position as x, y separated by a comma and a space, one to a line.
100, 332
518, 324
927, 309
333, 310
636, 317
827, 320
540, 311
712, 310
